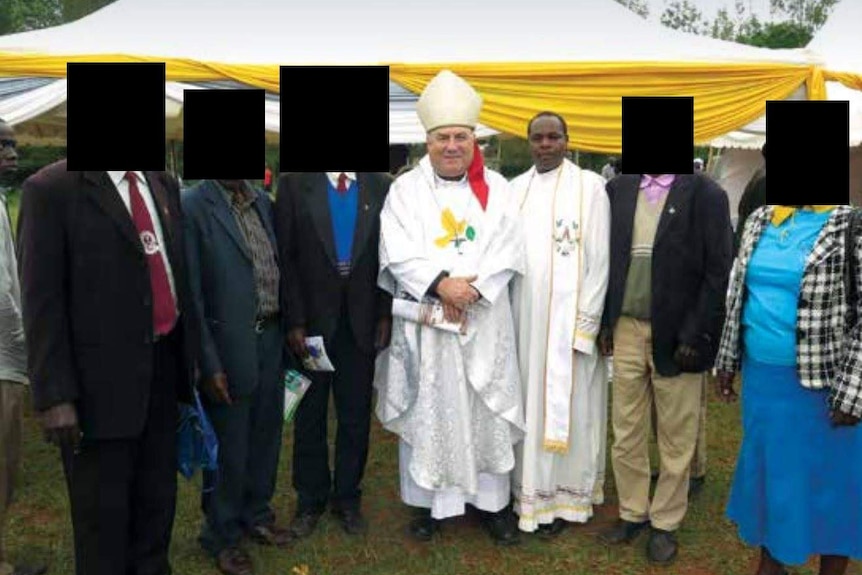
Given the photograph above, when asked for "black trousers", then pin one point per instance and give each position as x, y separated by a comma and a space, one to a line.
249, 434
351, 385
123, 491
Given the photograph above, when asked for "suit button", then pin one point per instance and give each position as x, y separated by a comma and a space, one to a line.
147, 300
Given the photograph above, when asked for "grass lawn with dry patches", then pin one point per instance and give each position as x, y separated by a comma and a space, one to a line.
40, 527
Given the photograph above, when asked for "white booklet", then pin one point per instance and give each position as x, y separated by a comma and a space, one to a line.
316, 360
428, 313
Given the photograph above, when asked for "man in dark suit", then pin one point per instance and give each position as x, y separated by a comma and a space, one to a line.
671, 252
110, 334
234, 276
328, 227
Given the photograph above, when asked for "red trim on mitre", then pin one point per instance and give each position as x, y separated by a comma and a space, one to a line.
476, 176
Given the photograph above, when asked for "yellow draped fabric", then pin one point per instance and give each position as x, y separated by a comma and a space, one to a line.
853, 81
176, 69
588, 94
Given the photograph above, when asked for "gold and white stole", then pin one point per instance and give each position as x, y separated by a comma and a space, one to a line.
563, 291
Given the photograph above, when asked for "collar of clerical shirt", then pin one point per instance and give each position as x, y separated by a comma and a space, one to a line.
440, 181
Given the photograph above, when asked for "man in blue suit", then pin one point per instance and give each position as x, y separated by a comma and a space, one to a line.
234, 274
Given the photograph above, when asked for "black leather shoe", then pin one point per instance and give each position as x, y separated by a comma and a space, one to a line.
622, 532
695, 485
661, 547
351, 520
304, 523
423, 526
234, 561
551, 530
502, 527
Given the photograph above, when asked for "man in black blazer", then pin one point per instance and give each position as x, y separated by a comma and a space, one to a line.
106, 312
671, 252
328, 229
234, 277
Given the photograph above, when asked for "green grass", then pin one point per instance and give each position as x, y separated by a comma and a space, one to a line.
40, 527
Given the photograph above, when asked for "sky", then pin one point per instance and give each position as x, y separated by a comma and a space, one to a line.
710, 7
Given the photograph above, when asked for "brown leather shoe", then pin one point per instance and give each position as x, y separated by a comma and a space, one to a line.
271, 535
234, 561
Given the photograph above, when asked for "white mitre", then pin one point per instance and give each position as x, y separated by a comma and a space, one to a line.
448, 100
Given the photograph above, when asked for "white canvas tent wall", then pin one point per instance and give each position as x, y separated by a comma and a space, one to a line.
839, 44
329, 32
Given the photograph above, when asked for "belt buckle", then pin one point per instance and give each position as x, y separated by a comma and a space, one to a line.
258, 326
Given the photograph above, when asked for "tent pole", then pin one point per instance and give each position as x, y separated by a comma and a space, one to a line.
709, 159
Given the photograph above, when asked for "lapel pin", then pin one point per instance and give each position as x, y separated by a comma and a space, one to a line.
365, 207
672, 210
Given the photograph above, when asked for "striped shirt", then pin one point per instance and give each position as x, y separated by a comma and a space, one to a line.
266, 274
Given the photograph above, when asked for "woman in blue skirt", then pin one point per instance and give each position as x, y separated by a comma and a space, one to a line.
797, 489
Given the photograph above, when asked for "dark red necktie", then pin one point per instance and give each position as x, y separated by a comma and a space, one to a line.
164, 308
342, 183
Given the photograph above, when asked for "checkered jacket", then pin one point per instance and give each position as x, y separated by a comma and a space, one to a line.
828, 352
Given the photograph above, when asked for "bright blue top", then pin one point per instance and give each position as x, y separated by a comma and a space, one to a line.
772, 282
343, 208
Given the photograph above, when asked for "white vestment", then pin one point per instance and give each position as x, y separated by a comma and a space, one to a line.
558, 304
453, 399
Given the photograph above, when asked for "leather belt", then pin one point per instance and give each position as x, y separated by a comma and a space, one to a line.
261, 323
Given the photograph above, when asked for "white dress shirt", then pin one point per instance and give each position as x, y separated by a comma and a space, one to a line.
333, 178
122, 185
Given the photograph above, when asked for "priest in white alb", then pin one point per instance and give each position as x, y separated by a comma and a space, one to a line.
558, 303
448, 384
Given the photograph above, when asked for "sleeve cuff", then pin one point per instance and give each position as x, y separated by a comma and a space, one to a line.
432, 289
584, 342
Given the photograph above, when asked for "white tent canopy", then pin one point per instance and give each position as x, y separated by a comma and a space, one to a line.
339, 32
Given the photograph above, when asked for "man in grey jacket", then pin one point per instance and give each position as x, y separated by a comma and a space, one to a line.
13, 356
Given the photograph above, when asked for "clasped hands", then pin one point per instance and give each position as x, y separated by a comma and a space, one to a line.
457, 295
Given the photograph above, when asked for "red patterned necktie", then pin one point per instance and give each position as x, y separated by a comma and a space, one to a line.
164, 308
342, 183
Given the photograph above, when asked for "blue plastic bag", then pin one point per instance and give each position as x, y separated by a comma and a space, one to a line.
197, 444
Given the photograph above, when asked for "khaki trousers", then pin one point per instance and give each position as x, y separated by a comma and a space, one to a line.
637, 386
698, 462
11, 421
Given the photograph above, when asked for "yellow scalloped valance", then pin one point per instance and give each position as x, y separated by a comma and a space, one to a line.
726, 96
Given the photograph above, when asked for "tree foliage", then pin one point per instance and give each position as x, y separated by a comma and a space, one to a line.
24, 15
639, 7
795, 22
806, 14
686, 17
75, 9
